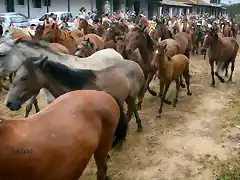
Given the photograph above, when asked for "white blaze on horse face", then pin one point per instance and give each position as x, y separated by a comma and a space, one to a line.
156, 52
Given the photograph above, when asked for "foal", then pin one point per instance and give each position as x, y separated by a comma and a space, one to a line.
58, 142
170, 69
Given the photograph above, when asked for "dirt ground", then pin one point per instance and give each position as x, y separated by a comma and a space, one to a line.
187, 143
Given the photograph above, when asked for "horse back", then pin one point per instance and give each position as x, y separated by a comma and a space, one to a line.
184, 41
180, 64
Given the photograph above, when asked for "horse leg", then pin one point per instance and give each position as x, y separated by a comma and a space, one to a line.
1, 86
226, 72
161, 93
177, 91
162, 99
101, 157
186, 76
181, 82
217, 73
133, 109
232, 69
11, 77
211, 62
144, 89
36, 105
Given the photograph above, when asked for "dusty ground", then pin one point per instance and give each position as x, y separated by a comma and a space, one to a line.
187, 143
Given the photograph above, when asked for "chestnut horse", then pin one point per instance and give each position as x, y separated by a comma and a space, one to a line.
170, 69
223, 51
55, 35
38, 148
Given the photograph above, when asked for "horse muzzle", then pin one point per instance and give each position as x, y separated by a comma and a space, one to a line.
13, 106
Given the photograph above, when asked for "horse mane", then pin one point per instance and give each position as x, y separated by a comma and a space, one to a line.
150, 42
74, 79
40, 44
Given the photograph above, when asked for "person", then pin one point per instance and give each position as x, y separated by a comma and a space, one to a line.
107, 8
82, 13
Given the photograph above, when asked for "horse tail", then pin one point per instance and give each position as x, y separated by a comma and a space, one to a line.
122, 126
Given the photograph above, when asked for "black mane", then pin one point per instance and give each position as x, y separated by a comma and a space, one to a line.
70, 78
73, 79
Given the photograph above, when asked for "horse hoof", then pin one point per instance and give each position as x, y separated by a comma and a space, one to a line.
174, 105
158, 116
226, 75
107, 178
213, 84
167, 102
222, 80
189, 93
230, 80
140, 129
182, 85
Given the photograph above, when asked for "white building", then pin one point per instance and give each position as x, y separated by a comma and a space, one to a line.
37, 8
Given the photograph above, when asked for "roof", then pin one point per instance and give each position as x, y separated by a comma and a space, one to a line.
195, 2
175, 3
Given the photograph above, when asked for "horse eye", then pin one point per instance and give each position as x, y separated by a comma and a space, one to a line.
23, 78
2, 55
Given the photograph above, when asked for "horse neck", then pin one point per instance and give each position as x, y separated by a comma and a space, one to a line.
54, 87
163, 64
145, 52
67, 41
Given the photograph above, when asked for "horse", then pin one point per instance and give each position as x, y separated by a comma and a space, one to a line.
137, 38
227, 32
55, 35
85, 48
60, 48
60, 79
223, 51
15, 52
170, 69
97, 41
86, 27
38, 32
38, 148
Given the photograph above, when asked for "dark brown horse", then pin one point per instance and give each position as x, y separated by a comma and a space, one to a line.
223, 51
38, 148
170, 69
137, 38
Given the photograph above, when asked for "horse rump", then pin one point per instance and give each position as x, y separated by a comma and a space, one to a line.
122, 126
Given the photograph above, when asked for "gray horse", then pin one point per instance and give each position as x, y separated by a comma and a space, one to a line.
14, 52
124, 80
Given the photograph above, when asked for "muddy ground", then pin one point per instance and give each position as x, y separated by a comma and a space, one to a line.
190, 142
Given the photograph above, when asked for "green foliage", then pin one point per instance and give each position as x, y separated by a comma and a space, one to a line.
233, 10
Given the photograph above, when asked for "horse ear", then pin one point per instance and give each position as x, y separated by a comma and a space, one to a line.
41, 61
31, 35
144, 27
88, 39
18, 40
165, 45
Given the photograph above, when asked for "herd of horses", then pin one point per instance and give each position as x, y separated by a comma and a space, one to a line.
91, 71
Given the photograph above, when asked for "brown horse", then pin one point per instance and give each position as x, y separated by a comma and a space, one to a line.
227, 32
21, 35
38, 32
97, 41
170, 69
137, 38
223, 51
85, 48
87, 28
37, 148
60, 48
55, 35
193, 36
